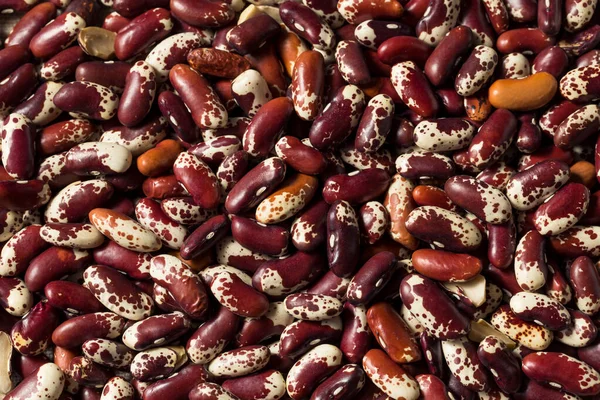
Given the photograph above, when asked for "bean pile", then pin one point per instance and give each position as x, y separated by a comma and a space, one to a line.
316, 199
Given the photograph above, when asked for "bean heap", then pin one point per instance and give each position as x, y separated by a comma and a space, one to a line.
316, 199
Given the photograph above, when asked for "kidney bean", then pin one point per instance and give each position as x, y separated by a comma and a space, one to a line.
530, 265
580, 84
341, 115
373, 33
432, 307
212, 337
20, 249
204, 13
552, 60
124, 231
581, 332
483, 200
47, 381
374, 181
147, 28
62, 136
540, 88
343, 238
439, 18
208, 390
445, 266
257, 330
432, 387
15, 298
444, 58
266, 127
392, 334
18, 152
476, 70
304, 22
11, 58
576, 241
30, 24
312, 307
562, 371
53, 264
443, 134
76, 235
492, 139
87, 99
134, 264
562, 210
244, 38
523, 40
56, 35
494, 355
464, 364
156, 363
388, 376
16, 87
399, 204
111, 74
584, 279
301, 336
404, 48
30, 335
317, 364
414, 89
185, 287
239, 362
72, 297
528, 334
461, 235
216, 62
540, 309
117, 293
205, 106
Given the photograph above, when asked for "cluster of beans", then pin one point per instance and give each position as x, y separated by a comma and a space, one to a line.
316, 199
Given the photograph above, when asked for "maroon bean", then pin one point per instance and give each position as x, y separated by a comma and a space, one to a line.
205, 237
414, 89
495, 356
134, 264
18, 252
306, 23
16, 87
85, 372
404, 48
258, 330
203, 103
230, 252
245, 38
522, 40
432, 307
371, 278
502, 240
585, 280
266, 127
142, 31
343, 238
11, 58
87, 99
437, 21
18, 152
357, 187
301, 336
341, 115
203, 13
479, 198
138, 95
553, 60
72, 297
47, 380
464, 364
30, 335
30, 24
173, 109
177, 386
56, 35
493, 138
458, 234
198, 179
562, 371
473, 15
351, 62
419, 164
577, 241
444, 58
347, 381
256, 185
111, 74
269, 384
212, 336
185, 286
53, 264
476, 70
